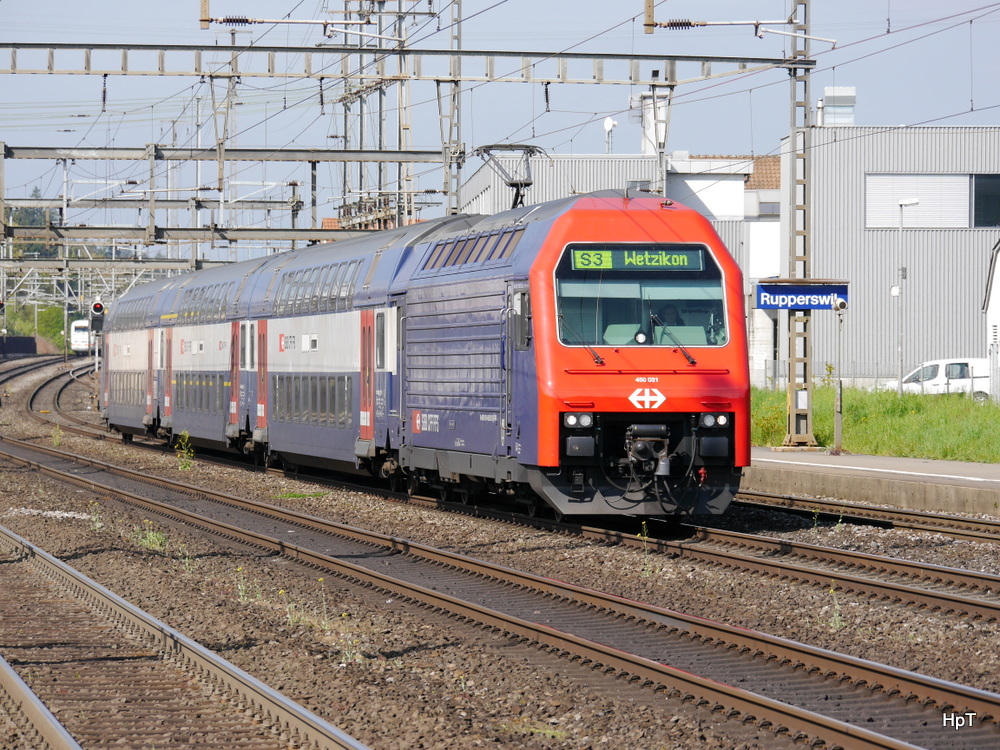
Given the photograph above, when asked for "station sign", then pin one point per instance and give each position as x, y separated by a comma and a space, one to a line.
801, 296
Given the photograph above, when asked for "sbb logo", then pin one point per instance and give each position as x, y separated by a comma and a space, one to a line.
647, 398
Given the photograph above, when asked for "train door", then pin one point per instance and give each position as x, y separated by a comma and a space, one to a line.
233, 410
147, 418
516, 340
160, 376
366, 416
246, 409
168, 378
398, 415
261, 384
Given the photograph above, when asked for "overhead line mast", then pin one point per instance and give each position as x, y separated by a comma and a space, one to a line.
797, 171
360, 71
799, 218
797, 186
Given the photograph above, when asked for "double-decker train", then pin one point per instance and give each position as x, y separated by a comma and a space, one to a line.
588, 353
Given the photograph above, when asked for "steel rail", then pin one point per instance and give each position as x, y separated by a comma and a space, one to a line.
23, 699
299, 721
926, 572
82, 426
889, 679
23, 369
960, 527
593, 654
72, 377
891, 590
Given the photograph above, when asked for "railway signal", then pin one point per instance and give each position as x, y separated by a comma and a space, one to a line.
97, 316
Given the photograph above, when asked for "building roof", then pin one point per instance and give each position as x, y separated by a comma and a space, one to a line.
766, 173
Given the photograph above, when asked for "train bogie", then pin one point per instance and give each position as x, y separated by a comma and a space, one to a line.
529, 354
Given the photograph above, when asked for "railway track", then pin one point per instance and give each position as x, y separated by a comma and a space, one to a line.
33, 723
945, 590
45, 404
802, 689
958, 527
14, 369
948, 590
116, 677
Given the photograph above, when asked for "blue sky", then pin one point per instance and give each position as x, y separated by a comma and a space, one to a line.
913, 62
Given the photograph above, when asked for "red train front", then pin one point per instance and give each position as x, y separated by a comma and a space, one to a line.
641, 362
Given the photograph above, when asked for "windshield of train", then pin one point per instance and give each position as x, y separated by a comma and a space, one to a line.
647, 294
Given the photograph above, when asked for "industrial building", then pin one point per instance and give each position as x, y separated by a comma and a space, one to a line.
909, 217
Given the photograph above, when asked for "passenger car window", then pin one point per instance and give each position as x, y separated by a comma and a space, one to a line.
923, 374
956, 370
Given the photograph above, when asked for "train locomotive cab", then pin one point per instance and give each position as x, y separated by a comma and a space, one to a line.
643, 389
81, 339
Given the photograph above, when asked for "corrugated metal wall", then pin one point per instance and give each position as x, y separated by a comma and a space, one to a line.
945, 268
731, 233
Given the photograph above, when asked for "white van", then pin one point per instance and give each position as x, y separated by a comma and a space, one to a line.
957, 375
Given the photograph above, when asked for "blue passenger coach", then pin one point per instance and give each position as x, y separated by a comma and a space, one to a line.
468, 354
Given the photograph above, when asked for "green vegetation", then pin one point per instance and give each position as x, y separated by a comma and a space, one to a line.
184, 451
21, 321
31, 217
22, 317
953, 428
148, 537
40, 217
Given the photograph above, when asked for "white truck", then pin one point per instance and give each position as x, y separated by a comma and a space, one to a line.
955, 375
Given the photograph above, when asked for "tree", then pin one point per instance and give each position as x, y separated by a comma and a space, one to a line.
31, 217
50, 324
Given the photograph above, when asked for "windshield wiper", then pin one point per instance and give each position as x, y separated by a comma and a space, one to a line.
579, 340
666, 329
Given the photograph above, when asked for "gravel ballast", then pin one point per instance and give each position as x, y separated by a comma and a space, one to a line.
399, 679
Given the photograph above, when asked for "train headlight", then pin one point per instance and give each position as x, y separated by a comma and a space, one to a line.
708, 420
578, 419
714, 420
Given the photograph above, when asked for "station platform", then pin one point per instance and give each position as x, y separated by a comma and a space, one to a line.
913, 483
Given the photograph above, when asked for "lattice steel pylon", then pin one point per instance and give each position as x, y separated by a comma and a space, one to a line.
800, 385
449, 93
350, 74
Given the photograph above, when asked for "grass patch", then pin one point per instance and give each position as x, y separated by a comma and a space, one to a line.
881, 423
526, 725
150, 538
299, 495
184, 451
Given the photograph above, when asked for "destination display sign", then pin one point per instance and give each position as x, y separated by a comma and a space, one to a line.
640, 258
